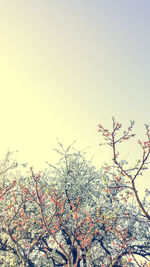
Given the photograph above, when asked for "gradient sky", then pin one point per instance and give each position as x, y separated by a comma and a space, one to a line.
65, 67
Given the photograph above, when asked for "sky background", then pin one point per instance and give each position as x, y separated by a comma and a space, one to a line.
67, 66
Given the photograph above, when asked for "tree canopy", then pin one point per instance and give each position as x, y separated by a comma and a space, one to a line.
72, 214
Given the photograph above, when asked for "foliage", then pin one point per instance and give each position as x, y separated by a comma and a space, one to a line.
71, 214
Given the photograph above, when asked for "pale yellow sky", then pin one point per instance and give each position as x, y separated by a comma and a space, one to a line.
67, 66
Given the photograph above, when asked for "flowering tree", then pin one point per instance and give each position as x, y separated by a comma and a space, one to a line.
124, 177
69, 215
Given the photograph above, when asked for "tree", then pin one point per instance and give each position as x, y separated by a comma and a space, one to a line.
69, 215
124, 176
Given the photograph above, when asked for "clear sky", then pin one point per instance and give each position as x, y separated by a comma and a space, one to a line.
65, 67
